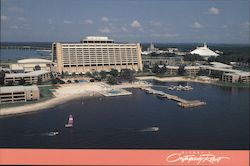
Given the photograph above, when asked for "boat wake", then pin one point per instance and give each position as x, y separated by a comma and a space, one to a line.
50, 134
150, 129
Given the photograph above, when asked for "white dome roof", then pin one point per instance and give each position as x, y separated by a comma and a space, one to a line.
204, 51
34, 61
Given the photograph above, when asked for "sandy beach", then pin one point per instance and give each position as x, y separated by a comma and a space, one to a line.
67, 92
64, 93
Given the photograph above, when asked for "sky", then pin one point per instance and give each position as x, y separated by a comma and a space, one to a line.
161, 21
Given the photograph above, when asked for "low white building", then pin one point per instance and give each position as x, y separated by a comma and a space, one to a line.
192, 70
243, 77
28, 65
31, 77
172, 70
13, 94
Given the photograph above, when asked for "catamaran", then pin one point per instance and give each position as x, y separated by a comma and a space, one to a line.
70, 122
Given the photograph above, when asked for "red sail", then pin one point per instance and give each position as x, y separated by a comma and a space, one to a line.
71, 119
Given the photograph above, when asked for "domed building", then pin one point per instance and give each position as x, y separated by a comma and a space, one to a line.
204, 51
28, 65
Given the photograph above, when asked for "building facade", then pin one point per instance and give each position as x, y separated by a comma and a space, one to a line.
230, 77
192, 70
243, 77
28, 65
172, 70
169, 61
96, 54
14, 94
30, 78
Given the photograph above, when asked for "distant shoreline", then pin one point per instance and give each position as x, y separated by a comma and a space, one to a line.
174, 79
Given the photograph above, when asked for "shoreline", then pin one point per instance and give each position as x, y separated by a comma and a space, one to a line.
201, 79
63, 94
175, 79
68, 92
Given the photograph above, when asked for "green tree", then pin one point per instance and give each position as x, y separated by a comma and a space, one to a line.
155, 68
39, 80
22, 81
88, 74
95, 74
103, 74
163, 69
66, 73
203, 72
212, 59
74, 74
114, 72
2, 76
111, 80
181, 70
193, 57
37, 67
80, 74
54, 81
127, 74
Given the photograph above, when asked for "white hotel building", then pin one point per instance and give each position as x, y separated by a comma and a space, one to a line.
96, 53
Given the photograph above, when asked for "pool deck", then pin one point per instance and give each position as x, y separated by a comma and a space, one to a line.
109, 91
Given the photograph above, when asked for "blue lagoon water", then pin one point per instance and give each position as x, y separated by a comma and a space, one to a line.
124, 122
12, 54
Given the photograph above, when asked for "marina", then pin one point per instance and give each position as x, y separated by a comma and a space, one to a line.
180, 102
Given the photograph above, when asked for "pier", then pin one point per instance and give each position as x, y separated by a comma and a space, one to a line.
180, 102
28, 48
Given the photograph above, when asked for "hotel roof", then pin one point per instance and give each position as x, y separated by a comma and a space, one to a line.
10, 89
220, 65
34, 61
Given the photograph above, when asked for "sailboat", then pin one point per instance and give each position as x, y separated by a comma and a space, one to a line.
82, 101
70, 122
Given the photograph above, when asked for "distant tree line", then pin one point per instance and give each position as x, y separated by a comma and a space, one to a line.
231, 58
111, 77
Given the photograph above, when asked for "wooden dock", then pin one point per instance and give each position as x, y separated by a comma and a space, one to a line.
181, 102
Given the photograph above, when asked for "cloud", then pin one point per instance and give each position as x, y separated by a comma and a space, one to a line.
4, 18
21, 19
214, 11
88, 21
124, 29
197, 25
14, 27
135, 24
67, 22
15, 9
51, 21
167, 35
247, 23
155, 23
224, 26
104, 30
105, 19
